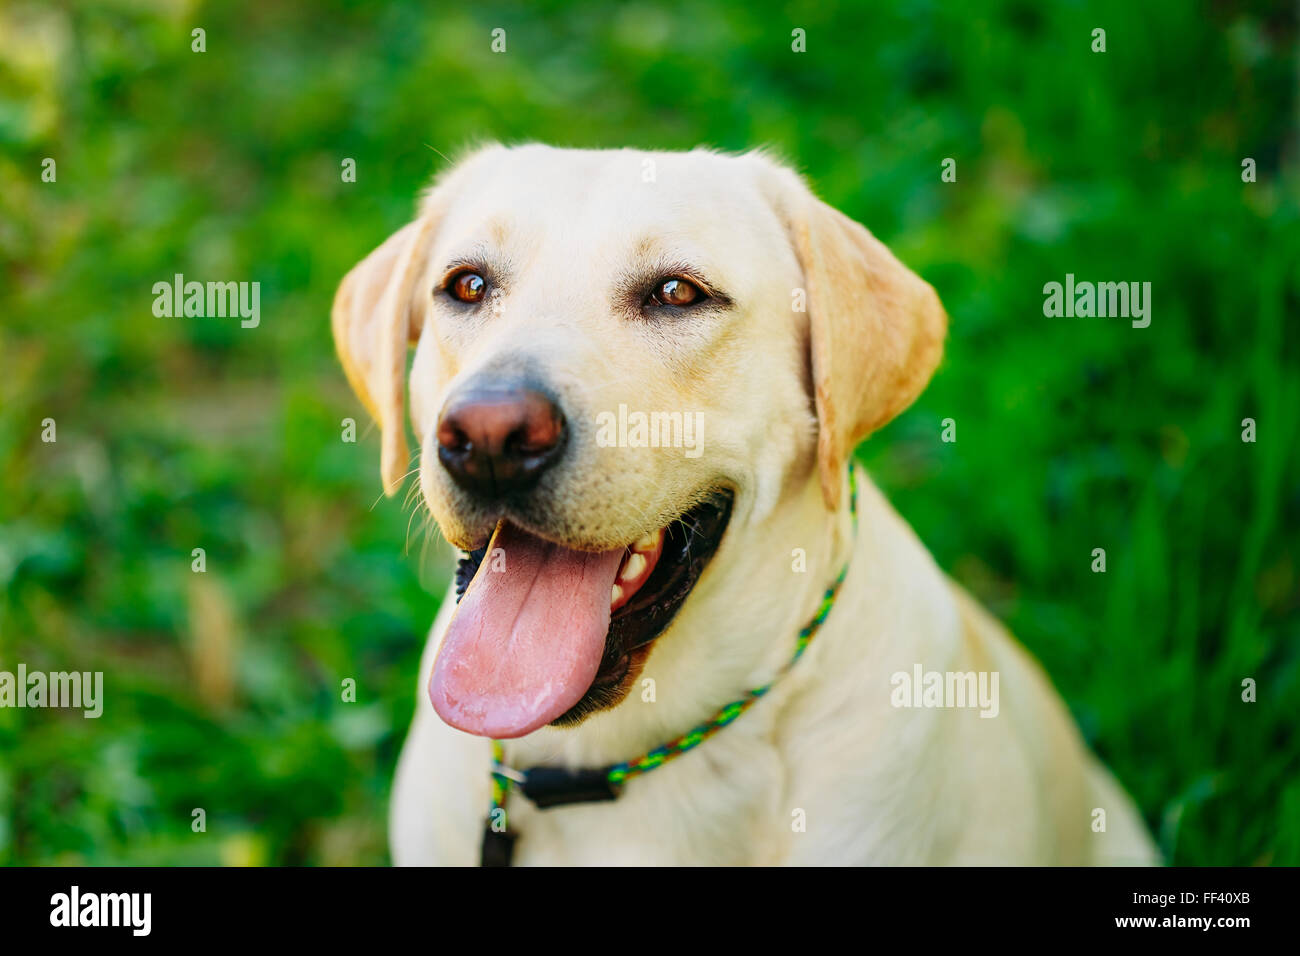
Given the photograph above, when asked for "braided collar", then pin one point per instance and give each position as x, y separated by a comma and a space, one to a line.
559, 786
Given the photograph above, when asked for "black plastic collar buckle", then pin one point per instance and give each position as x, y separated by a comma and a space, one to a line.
557, 786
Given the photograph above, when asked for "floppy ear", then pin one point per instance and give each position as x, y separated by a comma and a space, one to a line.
876, 330
373, 325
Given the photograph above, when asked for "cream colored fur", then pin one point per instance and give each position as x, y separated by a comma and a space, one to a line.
825, 769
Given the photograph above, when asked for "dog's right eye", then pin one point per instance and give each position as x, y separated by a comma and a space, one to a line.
467, 287
674, 291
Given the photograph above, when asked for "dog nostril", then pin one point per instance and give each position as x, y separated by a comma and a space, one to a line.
452, 438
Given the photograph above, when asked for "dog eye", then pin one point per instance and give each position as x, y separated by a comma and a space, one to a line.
467, 287
675, 292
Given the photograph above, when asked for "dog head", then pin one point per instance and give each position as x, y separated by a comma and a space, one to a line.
616, 352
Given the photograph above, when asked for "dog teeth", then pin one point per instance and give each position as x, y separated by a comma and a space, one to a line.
649, 542
633, 568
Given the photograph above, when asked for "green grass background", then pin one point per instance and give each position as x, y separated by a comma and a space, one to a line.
1072, 434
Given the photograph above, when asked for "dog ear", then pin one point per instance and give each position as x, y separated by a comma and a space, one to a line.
374, 323
876, 329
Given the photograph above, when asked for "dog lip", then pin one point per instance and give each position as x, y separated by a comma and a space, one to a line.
540, 530
481, 533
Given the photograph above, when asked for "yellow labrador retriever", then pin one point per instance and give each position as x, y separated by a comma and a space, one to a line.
695, 637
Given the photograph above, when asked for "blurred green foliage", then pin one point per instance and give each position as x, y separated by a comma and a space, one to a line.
1073, 434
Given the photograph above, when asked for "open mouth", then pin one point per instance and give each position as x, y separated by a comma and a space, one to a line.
545, 634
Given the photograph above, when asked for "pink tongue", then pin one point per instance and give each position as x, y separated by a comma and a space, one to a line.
526, 640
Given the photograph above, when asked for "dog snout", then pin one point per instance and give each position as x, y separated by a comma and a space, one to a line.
498, 439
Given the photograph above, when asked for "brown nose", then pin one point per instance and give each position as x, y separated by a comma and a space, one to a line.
497, 440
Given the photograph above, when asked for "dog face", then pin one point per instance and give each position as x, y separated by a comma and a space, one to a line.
574, 249
618, 355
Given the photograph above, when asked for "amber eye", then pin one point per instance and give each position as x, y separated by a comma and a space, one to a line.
467, 287
676, 292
